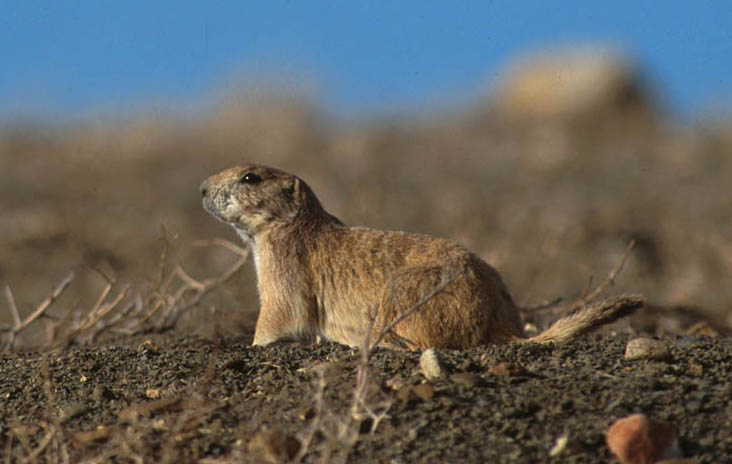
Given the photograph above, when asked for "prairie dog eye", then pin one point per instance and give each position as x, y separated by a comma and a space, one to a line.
250, 178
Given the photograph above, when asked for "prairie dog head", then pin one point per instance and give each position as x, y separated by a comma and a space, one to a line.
254, 198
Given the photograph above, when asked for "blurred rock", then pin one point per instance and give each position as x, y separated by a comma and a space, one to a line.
406, 394
424, 391
506, 369
647, 348
82, 439
559, 446
468, 380
395, 383
431, 365
638, 440
274, 446
695, 369
569, 83
148, 346
702, 329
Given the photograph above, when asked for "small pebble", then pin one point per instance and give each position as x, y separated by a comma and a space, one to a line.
82, 439
636, 439
466, 365
425, 392
274, 446
395, 383
559, 446
647, 348
696, 369
702, 329
467, 379
305, 413
147, 347
431, 364
235, 365
505, 369
530, 329
159, 425
404, 394
689, 341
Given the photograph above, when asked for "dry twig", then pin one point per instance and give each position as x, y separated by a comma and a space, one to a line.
588, 296
548, 304
172, 296
436, 291
19, 325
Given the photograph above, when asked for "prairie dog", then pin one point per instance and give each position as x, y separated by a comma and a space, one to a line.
317, 276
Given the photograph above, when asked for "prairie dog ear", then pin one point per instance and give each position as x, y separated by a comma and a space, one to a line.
294, 189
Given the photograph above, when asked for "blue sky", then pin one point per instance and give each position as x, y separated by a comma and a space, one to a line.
73, 58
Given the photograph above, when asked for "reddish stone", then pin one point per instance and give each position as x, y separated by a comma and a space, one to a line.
638, 440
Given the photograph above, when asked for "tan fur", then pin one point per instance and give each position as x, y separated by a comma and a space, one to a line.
318, 276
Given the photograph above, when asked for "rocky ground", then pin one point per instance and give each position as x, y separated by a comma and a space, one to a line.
172, 398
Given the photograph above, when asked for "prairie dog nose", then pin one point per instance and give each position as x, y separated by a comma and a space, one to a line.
204, 188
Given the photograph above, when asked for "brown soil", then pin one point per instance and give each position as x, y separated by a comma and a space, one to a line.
183, 399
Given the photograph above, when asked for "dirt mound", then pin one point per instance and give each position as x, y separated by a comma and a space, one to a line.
176, 399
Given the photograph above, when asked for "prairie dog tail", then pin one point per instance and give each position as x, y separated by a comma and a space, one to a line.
588, 318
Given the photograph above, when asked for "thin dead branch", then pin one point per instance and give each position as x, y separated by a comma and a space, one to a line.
307, 440
588, 296
542, 306
55, 416
117, 309
436, 291
19, 325
236, 249
12, 306
50, 434
201, 289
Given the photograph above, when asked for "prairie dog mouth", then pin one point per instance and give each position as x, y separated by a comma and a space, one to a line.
209, 206
216, 206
